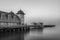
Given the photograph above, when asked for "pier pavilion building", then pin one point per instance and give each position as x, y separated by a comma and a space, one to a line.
11, 18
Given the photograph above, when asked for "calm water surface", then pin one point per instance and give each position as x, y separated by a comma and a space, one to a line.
47, 33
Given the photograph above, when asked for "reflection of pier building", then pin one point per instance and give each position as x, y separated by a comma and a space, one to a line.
11, 19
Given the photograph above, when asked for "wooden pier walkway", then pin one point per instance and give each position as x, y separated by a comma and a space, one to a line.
14, 29
23, 28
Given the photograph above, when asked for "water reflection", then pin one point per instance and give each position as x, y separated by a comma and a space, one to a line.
46, 34
34, 34
12, 36
18, 35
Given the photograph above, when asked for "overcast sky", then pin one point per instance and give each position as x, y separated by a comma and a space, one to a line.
47, 11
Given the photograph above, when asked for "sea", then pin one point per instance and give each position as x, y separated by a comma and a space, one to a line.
35, 34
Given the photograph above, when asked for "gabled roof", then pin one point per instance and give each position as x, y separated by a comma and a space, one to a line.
3, 12
20, 12
12, 15
11, 12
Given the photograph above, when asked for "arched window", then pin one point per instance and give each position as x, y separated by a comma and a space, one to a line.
0, 16
6, 16
3, 16
12, 16
9, 18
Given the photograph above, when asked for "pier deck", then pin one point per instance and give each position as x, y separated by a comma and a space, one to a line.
21, 28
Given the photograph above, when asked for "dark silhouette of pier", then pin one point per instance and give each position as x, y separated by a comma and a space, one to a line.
23, 28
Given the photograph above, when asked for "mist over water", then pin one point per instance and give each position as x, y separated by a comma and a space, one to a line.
47, 33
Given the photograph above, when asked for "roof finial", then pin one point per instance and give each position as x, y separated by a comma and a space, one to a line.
20, 12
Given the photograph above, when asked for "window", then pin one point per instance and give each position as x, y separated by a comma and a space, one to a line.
6, 16
0, 16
